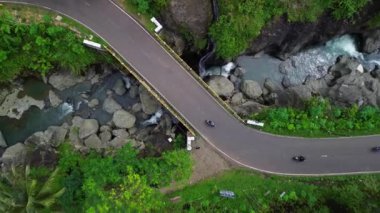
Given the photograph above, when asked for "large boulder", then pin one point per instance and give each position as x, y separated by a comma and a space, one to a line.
248, 108
195, 16
344, 66
149, 103
110, 105
3, 143
93, 142
88, 127
221, 85
121, 138
39, 139
237, 98
16, 154
356, 88
119, 87
372, 41
93, 103
251, 89
123, 119
54, 99
58, 134
14, 107
64, 79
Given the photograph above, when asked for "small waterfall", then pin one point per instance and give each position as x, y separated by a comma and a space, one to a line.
154, 119
344, 45
65, 109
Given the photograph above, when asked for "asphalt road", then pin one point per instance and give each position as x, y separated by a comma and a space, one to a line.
248, 147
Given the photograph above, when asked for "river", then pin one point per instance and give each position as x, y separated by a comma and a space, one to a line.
313, 62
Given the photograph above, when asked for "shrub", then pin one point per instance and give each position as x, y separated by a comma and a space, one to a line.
319, 118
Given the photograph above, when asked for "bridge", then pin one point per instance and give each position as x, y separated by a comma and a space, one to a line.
190, 100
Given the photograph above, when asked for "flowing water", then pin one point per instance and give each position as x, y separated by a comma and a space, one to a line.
35, 119
313, 62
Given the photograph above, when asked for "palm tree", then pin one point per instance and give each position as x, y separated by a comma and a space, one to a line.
20, 193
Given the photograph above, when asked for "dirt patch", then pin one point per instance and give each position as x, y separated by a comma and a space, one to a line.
207, 162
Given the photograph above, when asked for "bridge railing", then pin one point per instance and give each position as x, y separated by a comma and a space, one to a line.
150, 89
222, 103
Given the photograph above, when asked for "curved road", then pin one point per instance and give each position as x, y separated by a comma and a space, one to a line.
248, 147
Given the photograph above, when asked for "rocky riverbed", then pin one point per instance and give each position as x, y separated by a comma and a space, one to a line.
336, 70
101, 110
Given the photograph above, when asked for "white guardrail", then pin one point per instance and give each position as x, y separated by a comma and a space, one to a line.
255, 123
92, 44
158, 25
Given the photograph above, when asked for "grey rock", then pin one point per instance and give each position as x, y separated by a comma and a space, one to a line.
132, 130
237, 98
109, 92
58, 134
64, 79
269, 85
248, 108
286, 82
110, 105
93, 103
3, 143
38, 138
133, 91
137, 144
251, 89
54, 99
142, 134
120, 133
344, 66
239, 72
136, 107
88, 127
119, 87
122, 138
105, 136
372, 41
123, 119
15, 154
105, 128
221, 85
14, 107
93, 142
195, 16
148, 102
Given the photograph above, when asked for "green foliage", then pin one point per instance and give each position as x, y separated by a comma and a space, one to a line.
122, 182
151, 7
21, 193
259, 193
319, 118
39, 47
241, 21
179, 142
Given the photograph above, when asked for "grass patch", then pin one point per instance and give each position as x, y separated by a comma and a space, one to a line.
259, 193
318, 118
142, 18
34, 39
374, 22
241, 21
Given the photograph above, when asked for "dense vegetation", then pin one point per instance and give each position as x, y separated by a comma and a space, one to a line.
319, 118
258, 193
40, 47
148, 7
241, 21
122, 182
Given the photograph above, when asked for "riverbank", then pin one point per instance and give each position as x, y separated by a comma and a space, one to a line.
261, 193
